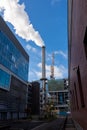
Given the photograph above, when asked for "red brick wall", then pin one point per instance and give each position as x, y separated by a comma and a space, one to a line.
78, 58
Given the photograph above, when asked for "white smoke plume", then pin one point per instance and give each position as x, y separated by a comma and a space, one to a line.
14, 13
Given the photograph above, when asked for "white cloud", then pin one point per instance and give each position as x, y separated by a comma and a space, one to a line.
59, 71
61, 53
48, 57
34, 75
30, 48
14, 13
39, 65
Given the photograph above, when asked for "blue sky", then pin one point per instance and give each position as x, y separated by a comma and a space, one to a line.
36, 23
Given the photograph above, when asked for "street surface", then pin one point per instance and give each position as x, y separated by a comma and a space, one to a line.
34, 125
25, 125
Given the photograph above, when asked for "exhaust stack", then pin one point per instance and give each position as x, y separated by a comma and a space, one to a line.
43, 64
43, 75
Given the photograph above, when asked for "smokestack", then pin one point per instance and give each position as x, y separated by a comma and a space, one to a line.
44, 75
43, 63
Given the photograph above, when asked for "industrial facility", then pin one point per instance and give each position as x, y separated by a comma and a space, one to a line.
59, 95
52, 96
20, 98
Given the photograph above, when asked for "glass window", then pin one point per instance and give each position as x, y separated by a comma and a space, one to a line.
4, 79
12, 58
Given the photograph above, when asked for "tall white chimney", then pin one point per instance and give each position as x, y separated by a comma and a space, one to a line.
43, 63
43, 75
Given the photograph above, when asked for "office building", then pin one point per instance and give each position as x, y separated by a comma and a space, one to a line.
14, 63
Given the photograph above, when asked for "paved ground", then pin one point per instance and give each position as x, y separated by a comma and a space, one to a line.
35, 125
54, 125
25, 124
70, 124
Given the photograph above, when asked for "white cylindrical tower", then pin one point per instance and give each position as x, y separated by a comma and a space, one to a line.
43, 63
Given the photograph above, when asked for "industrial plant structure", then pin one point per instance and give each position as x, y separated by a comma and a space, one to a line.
77, 44
14, 63
60, 100
43, 80
59, 94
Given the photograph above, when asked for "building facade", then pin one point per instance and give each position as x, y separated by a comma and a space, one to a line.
60, 99
29, 100
59, 94
77, 44
14, 63
35, 98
